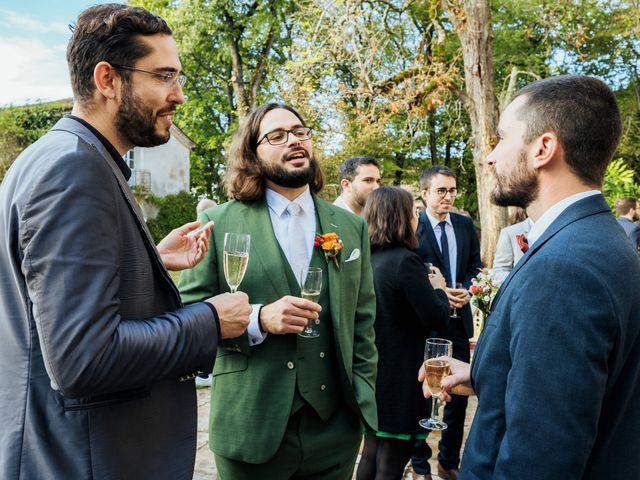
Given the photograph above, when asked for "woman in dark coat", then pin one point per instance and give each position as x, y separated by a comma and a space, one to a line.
410, 302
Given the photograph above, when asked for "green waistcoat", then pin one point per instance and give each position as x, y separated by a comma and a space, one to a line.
317, 381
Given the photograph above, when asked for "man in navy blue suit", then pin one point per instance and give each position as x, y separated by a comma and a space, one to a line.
448, 241
557, 368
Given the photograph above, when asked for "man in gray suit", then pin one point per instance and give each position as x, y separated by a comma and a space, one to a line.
556, 368
97, 353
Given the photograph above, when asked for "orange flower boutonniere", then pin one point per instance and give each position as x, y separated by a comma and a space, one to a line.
330, 245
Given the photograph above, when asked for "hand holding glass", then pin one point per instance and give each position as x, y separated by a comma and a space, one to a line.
455, 310
310, 290
236, 258
437, 365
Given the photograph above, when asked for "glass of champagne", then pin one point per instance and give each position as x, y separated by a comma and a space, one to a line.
236, 258
455, 310
310, 290
437, 365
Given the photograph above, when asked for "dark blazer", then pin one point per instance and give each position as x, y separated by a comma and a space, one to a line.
93, 339
407, 309
468, 263
557, 367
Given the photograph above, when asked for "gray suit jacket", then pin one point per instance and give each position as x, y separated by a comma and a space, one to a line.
557, 366
93, 338
508, 252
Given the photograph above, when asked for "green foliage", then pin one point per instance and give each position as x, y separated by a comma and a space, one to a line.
619, 182
21, 126
174, 211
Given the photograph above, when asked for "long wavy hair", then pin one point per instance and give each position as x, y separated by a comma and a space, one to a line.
244, 180
388, 212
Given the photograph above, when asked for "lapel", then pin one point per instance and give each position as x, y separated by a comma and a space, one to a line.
327, 224
591, 205
254, 219
430, 239
76, 128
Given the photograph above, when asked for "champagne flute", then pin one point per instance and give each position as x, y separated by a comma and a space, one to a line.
310, 290
437, 365
236, 258
455, 310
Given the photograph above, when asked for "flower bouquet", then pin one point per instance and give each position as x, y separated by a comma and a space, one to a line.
483, 290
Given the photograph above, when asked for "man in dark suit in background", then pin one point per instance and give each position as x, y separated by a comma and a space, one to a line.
449, 241
557, 367
628, 215
97, 353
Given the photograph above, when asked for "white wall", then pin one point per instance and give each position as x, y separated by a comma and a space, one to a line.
168, 164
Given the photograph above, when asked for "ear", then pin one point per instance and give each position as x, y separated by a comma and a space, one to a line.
425, 195
106, 80
545, 149
344, 183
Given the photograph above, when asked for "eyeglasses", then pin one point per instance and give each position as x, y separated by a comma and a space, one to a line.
170, 79
278, 137
442, 192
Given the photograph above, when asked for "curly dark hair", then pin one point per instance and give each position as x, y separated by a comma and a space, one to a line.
109, 33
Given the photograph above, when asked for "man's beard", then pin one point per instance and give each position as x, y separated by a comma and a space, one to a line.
136, 122
517, 190
282, 177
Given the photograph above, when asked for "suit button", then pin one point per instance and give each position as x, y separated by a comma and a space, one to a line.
321, 354
290, 365
323, 387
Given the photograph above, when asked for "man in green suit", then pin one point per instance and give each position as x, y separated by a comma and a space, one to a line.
284, 406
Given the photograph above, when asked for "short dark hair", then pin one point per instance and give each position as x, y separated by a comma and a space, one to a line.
244, 179
110, 33
623, 205
582, 112
388, 212
429, 173
349, 168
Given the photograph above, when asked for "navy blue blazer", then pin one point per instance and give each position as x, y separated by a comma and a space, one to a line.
468, 261
557, 368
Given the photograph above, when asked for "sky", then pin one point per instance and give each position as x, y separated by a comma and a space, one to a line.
33, 42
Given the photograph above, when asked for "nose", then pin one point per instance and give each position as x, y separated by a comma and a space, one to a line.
376, 185
177, 95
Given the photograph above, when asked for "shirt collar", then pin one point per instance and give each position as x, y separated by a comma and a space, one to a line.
122, 165
434, 221
278, 203
554, 212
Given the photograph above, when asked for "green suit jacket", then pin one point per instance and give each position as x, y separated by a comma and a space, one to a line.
253, 387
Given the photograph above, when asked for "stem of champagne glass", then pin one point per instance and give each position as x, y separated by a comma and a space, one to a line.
434, 402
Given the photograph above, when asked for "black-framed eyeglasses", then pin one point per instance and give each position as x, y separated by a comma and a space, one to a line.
169, 78
442, 192
280, 136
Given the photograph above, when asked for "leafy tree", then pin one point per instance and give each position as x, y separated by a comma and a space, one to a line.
229, 49
21, 126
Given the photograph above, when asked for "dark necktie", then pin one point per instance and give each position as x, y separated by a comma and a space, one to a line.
444, 248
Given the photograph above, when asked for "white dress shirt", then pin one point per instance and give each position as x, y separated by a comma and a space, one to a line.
552, 213
280, 219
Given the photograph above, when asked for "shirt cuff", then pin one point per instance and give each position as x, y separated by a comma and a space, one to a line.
256, 336
215, 318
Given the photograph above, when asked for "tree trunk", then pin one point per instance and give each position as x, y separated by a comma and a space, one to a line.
472, 22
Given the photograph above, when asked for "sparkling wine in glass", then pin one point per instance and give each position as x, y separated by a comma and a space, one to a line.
455, 310
437, 365
310, 290
236, 258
